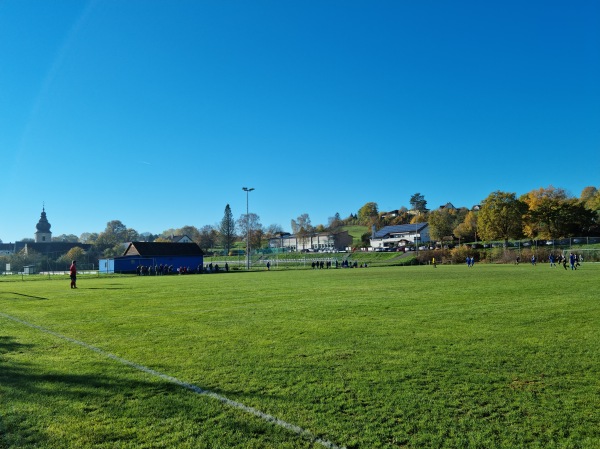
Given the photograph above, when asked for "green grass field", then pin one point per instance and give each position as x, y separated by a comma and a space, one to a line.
356, 231
496, 356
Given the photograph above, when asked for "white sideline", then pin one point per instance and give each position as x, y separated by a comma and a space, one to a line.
264, 416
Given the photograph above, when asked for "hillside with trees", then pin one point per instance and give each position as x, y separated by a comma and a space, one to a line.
544, 213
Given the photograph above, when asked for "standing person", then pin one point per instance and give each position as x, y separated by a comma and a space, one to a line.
73, 274
572, 261
551, 258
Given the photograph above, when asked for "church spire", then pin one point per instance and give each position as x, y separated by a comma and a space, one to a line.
43, 233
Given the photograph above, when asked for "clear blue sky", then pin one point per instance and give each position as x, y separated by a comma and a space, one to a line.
157, 113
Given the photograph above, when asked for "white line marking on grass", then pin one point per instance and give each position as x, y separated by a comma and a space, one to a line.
264, 416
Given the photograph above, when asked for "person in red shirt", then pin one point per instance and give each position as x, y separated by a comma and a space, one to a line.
73, 274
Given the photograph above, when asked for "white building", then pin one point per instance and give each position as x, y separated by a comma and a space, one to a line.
180, 239
400, 235
322, 241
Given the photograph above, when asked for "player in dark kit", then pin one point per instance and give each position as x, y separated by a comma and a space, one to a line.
73, 274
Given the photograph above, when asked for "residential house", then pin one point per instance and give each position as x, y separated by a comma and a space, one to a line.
180, 239
399, 235
448, 206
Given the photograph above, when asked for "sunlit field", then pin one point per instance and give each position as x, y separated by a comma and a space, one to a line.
494, 356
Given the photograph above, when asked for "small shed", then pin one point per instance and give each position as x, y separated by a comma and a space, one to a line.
154, 254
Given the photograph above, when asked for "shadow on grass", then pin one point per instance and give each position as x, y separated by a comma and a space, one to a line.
111, 286
22, 295
55, 393
43, 388
9, 344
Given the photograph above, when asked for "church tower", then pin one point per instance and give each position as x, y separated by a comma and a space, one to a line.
43, 233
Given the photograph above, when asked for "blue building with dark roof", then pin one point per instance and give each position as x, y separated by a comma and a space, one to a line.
153, 254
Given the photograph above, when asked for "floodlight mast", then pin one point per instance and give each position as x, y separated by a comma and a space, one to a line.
247, 190
417, 238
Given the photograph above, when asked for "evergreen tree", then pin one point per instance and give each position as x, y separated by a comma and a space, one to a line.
227, 230
335, 222
418, 203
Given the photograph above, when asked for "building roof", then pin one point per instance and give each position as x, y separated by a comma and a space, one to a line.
397, 229
449, 206
43, 225
147, 249
50, 248
180, 239
287, 235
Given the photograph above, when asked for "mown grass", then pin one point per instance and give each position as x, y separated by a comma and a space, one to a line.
356, 231
488, 357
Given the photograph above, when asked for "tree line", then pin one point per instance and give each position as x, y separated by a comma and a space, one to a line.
542, 214
545, 213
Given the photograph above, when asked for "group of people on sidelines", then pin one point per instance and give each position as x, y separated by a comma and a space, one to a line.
321, 264
160, 270
210, 268
154, 270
